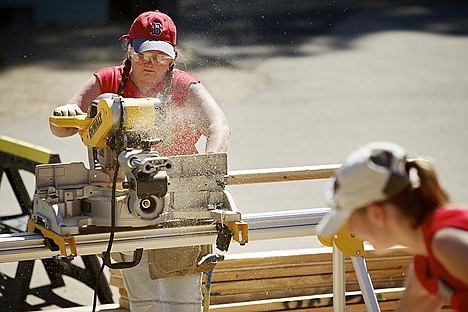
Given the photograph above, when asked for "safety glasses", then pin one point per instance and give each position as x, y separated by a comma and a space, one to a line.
149, 58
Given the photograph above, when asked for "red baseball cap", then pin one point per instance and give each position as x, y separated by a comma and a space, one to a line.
153, 31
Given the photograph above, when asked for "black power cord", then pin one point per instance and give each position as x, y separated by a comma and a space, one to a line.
111, 235
118, 147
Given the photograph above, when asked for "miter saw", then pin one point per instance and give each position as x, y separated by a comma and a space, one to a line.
154, 191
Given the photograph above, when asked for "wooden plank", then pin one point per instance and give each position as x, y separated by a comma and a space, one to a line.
354, 302
280, 174
278, 288
303, 281
321, 255
278, 270
388, 301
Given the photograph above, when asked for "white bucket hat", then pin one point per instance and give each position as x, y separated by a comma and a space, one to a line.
370, 174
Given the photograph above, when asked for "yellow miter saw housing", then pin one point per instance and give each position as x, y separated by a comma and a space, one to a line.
104, 116
155, 191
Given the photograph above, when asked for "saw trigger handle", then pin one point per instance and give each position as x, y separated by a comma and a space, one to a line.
79, 122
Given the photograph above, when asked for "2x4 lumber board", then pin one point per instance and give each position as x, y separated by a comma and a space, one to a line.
312, 255
387, 298
216, 298
280, 174
297, 282
267, 292
249, 273
388, 272
388, 301
385, 306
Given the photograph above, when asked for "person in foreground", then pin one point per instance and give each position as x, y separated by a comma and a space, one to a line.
190, 111
389, 199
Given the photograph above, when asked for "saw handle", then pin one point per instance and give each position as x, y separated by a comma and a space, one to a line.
79, 122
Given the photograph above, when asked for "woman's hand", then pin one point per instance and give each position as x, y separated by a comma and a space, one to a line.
68, 110
65, 110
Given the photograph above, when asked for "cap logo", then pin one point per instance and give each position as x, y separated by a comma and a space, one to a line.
157, 29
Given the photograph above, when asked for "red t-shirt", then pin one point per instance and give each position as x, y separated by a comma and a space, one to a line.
182, 136
428, 270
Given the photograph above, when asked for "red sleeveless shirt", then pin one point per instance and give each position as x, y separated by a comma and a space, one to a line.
182, 135
428, 270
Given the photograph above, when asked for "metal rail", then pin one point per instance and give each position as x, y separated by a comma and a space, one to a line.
269, 225
29, 246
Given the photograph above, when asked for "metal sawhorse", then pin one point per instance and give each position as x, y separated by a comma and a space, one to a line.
17, 156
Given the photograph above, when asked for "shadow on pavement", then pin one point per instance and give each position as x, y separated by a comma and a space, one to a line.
216, 33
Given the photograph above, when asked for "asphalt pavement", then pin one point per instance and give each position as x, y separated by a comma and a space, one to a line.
301, 85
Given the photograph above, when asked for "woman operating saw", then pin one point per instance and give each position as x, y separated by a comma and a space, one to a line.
189, 112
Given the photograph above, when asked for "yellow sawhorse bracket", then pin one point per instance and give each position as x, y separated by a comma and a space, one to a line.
240, 231
346, 242
61, 241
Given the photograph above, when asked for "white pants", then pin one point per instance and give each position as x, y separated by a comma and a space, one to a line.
174, 294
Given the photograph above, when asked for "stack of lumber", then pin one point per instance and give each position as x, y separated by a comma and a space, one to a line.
300, 280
